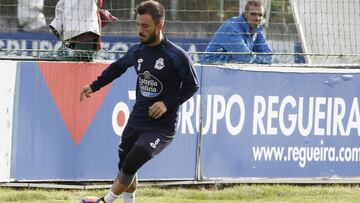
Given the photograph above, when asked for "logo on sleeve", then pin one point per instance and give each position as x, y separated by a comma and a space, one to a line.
149, 85
159, 64
140, 60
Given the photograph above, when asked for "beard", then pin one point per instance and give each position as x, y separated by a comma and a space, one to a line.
148, 40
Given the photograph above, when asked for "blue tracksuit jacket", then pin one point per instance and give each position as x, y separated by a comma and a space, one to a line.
234, 36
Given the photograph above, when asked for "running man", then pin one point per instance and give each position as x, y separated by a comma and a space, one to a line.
165, 79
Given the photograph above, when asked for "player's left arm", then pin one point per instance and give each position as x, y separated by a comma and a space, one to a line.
188, 86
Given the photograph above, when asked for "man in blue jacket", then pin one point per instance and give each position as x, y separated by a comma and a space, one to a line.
240, 39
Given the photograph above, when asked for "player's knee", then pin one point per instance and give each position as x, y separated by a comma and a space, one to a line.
129, 167
134, 160
125, 179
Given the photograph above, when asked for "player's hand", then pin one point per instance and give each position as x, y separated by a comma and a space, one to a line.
85, 92
157, 110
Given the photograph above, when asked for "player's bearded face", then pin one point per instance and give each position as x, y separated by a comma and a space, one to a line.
147, 29
149, 39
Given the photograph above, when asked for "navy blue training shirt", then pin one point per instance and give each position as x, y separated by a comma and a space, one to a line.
165, 73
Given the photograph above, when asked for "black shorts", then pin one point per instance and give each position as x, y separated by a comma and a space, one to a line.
153, 141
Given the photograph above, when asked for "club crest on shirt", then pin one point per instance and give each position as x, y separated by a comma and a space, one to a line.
140, 60
159, 64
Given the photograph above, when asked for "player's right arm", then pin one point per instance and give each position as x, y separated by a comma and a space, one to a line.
113, 71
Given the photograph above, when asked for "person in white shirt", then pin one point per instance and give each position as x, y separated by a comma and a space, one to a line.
78, 24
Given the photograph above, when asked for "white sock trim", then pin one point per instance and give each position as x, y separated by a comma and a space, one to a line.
128, 194
112, 194
110, 197
128, 197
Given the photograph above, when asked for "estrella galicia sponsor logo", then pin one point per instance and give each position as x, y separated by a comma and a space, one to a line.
149, 85
159, 64
154, 144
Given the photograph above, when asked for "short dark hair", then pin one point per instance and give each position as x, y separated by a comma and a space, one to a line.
153, 8
255, 3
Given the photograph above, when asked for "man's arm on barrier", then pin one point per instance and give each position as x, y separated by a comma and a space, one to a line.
261, 46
